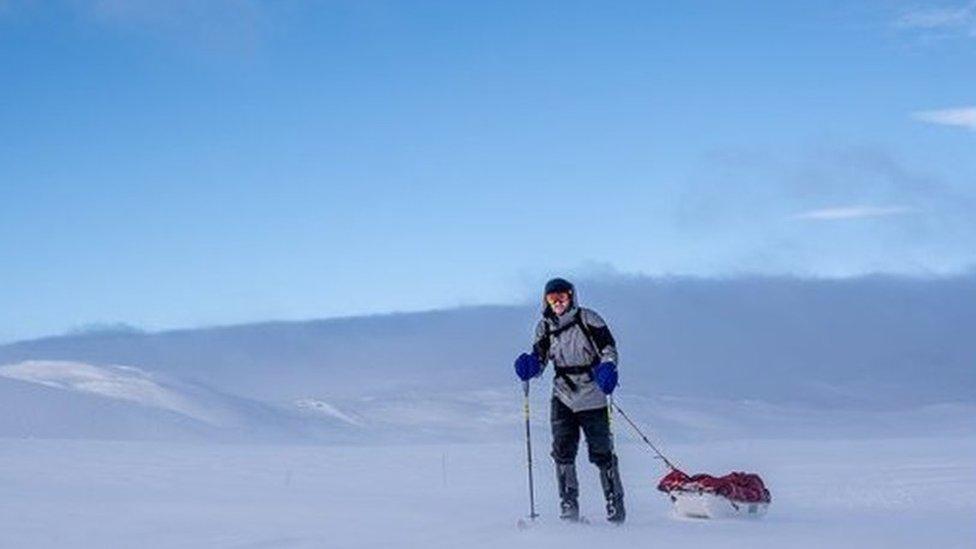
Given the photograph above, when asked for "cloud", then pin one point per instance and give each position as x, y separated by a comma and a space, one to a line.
964, 117
215, 25
210, 26
761, 209
952, 19
754, 187
852, 212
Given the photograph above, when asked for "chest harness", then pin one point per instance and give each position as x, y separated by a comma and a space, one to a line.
563, 372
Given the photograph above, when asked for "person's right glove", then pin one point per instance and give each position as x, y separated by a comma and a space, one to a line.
605, 375
527, 366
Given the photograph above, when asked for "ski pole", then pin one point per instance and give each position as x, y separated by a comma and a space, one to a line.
644, 437
528, 451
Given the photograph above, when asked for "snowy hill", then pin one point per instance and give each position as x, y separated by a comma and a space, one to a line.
717, 358
59, 399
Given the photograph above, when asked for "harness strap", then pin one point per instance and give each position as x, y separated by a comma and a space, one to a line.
577, 320
569, 382
563, 372
576, 370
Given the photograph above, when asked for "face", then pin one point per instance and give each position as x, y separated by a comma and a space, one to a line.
558, 302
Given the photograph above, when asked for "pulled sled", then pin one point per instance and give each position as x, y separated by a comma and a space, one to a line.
735, 495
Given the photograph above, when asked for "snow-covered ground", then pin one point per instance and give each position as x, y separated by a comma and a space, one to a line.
405, 430
367, 471
918, 492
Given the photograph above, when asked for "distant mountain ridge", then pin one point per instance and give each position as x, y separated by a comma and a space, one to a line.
909, 339
867, 343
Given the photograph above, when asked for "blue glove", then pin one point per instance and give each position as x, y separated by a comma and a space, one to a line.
527, 366
605, 375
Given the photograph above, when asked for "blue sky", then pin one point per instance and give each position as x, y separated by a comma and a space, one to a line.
191, 163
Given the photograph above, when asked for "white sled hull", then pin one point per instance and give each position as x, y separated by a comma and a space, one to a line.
711, 506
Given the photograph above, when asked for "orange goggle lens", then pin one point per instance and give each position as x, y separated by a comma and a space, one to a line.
558, 297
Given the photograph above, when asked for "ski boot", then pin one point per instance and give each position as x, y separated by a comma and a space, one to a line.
613, 491
568, 492
569, 510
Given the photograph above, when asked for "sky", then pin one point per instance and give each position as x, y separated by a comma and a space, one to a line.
189, 163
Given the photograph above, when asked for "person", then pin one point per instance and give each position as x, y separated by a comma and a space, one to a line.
584, 355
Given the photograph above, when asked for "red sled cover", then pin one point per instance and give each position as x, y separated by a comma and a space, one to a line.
738, 486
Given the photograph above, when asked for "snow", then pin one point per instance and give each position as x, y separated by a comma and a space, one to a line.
839, 493
324, 408
72, 399
839, 478
406, 430
112, 381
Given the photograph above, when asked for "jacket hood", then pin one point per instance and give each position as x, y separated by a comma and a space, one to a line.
556, 285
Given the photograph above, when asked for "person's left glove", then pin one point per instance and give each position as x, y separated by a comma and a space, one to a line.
605, 375
527, 366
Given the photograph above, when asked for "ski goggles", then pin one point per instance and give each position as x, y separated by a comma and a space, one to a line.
557, 297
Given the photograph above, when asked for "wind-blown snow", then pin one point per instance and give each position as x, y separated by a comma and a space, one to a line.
872, 342
431, 416
892, 493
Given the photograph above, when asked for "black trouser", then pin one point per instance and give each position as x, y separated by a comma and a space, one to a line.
566, 425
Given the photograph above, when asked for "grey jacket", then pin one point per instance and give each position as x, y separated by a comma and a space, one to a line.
566, 343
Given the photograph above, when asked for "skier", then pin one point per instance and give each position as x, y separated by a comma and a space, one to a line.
584, 357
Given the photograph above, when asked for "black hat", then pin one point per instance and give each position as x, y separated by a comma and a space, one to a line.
559, 285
